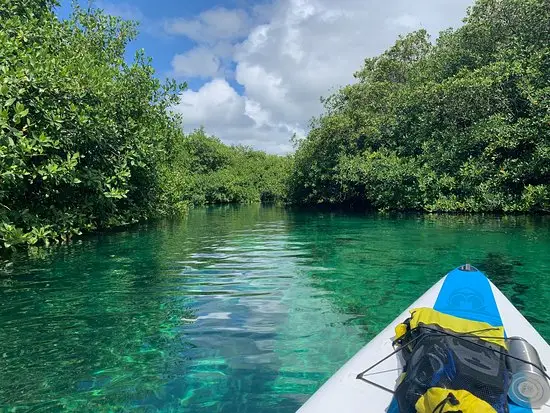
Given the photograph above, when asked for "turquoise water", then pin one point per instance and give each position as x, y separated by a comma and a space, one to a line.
235, 309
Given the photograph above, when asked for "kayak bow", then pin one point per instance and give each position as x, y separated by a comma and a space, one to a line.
465, 293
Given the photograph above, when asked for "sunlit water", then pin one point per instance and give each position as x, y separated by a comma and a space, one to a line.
236, 309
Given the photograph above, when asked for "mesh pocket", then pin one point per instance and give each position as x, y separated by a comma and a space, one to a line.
441, 360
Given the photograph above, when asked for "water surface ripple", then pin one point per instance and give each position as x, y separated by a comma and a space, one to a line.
236, 309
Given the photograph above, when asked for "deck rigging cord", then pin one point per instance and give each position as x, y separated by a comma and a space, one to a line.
435, 332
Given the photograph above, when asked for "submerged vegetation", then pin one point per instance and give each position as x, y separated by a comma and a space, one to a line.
88, 140
459, 125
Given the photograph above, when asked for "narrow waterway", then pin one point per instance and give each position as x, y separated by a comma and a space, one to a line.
236, 309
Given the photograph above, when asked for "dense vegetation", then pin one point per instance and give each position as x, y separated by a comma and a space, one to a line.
87, 141
459, 125
217, 173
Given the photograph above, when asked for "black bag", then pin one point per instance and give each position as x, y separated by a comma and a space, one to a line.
441, 358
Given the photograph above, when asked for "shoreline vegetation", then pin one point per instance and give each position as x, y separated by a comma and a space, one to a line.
88, 142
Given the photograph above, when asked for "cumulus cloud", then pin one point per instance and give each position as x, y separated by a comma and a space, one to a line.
234, 118
211, 26
216, 101
303, 50
408, 21
197, 62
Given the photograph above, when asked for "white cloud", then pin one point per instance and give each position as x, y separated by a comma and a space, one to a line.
407, 21
303, 50
216, 31
197, 62
216, 101
211, 26
236, 119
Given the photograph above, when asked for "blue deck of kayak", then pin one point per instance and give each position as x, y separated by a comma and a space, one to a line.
468, 294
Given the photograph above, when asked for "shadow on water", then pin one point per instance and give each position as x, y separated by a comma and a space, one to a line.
502, 272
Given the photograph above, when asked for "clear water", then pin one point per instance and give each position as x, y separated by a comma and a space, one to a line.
235, 309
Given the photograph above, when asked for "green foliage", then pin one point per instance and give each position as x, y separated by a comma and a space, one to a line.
87, 141
459, 125
82, 133
224, 174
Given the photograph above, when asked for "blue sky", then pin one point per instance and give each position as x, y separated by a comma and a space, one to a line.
256, 69
151, 15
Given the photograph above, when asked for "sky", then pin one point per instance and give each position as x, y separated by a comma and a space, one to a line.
256, 70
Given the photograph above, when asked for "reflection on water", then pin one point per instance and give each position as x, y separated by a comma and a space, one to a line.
236, 309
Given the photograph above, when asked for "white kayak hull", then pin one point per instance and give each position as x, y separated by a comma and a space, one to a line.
345, 393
